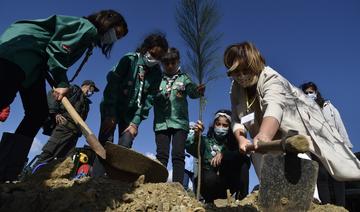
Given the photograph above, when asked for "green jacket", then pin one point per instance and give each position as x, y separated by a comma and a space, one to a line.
121, 93
52, 44
171, 106
208, 145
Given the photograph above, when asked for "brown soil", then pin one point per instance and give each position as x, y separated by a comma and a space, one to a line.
51, 190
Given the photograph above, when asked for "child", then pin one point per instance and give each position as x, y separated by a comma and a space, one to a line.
29, 49
222, 165
171, 119
130, 91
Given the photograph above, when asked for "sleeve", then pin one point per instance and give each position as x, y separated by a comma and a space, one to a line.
235, 120
273, 93
340, 126
111, 91
143, 112
191, 88
72, 37
191, 145
54, 106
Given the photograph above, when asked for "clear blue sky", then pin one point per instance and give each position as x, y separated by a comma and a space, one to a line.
301, 39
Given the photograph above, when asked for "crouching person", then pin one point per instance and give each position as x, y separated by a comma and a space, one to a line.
65, 133
222, 165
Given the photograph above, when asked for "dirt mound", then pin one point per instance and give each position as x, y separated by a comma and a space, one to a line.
51, 190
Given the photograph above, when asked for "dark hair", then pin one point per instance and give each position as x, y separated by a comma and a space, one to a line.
171, 54
319, 99
211, 134
152, 40
105, 20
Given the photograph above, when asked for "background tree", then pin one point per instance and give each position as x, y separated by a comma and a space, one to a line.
197, 21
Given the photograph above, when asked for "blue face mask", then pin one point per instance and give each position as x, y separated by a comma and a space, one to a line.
221, 132
190, 134
312, 95
89, 93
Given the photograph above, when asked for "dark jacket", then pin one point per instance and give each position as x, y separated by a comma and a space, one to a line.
77, 99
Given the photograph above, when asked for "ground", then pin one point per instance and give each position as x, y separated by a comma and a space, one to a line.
51, 190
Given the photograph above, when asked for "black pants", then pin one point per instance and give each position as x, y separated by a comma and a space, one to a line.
61, 142
233, 174
163, 139
125, 138
33, 98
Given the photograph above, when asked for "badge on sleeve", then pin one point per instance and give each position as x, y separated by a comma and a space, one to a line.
66, 48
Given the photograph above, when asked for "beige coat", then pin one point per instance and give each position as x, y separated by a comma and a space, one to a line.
277, 98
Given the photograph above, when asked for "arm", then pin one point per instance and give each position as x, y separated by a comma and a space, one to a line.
113, 86
66, 46
273, 104
194, 91
143, 112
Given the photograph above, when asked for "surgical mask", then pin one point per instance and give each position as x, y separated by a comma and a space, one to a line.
246, 80
190, 134
149, 60
312, 95
89, 93
221, 132
109, 37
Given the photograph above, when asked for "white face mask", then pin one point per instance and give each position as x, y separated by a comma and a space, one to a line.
312, 95
149, 60
246, 80
109, 37
89, 93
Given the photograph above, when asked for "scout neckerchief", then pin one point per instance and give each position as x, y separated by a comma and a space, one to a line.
142, 73
170, 81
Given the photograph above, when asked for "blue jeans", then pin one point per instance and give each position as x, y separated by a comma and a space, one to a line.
188, 175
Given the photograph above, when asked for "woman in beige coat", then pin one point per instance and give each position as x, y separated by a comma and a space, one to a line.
267, 106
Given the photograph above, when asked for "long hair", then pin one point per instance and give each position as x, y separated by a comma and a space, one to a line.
105, 20
230, 136
247, 55
319, 99
152, 40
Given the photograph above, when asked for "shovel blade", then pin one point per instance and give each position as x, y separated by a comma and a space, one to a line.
287, 184
96, 146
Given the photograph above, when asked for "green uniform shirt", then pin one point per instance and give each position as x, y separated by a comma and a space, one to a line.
171, 106
52, 44
209, 148
121, 93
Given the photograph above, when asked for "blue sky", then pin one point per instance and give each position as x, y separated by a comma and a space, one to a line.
301, 39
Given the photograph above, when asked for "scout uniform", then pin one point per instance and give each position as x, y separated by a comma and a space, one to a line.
171, 106
171, 120
129, 93
27, 49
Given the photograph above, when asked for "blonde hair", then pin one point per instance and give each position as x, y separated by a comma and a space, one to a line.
247, 55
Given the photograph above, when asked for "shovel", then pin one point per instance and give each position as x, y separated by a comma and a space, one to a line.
119, 162
85, 130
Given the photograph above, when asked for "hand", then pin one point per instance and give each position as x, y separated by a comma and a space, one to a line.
60, 119
216, 161
243, 142
132, 129
260, 137
201, 89
108, 124
198, 128
59, 93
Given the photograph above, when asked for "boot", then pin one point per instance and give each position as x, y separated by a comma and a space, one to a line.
14, 149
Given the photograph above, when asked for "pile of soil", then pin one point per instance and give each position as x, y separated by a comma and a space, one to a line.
51, 190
